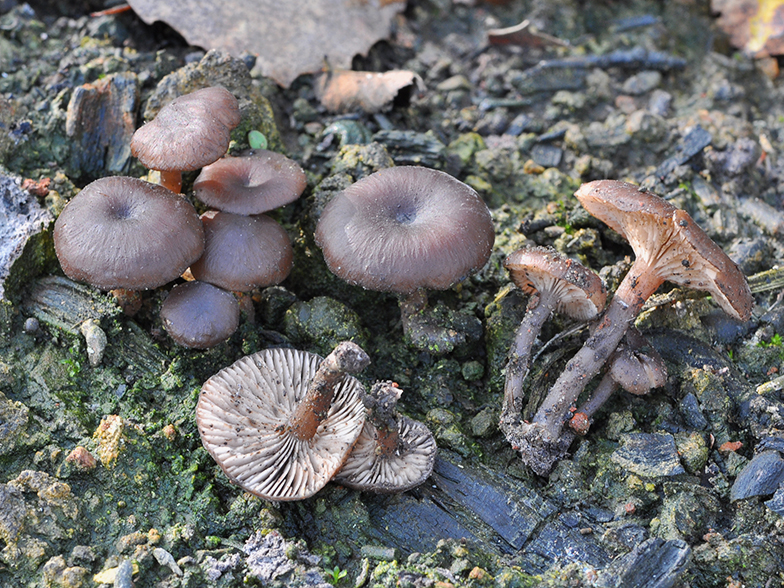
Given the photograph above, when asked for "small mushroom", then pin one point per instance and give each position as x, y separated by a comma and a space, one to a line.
190, 132
243, 252
393, 453
668, 245
281, 422
556, 283
636, 367
404, 230
200, 315
121, 232
250, 184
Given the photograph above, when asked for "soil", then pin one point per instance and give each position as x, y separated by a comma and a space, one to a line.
103, 479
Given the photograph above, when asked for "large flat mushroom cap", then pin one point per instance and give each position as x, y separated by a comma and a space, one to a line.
190, 132
669, 241
368, 469
250, 184
405, 228
242, 415
580, 292
121, 232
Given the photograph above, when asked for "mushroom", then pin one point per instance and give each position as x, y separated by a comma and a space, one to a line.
200, 315
393, 453
281, 422
250, 184
555, 283
190, 132
405, 230
121, 232
243, 252
636, 367
668, 245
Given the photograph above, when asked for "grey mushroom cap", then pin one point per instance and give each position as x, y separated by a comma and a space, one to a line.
243, 252
190, 132
121, 232
200, 315
250, 184
580, 292
405, 228
242, 415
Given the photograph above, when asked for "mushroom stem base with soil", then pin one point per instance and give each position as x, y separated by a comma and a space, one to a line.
421, 330
346, 358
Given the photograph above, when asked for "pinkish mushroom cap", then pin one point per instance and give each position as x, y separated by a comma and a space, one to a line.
251, 184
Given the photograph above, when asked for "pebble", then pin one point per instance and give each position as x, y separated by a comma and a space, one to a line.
761, 476
649, 455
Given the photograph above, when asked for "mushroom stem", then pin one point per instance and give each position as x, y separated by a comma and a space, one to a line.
540, 307
346, 358
421, 331
637, 286
606, 388
381, 404
172, 180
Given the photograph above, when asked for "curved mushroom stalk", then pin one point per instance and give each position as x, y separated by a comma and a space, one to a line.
668, 246
556, 283
421, 331
393, 453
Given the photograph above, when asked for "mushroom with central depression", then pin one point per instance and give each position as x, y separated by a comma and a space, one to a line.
406, 230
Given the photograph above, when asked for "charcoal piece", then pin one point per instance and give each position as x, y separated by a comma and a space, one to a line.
694, 142
546, 155
655, 563
412, 148
692, 414
650, 455
761, 476
556, 539
776, 504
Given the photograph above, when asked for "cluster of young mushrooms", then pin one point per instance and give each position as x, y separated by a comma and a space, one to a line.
281, 422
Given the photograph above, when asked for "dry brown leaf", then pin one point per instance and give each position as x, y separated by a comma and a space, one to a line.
346, 91
290, 38
756, 26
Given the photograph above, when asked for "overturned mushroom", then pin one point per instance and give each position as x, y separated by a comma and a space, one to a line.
190, 132
394, 453
556, 283
405, 230
281, 422
668, 245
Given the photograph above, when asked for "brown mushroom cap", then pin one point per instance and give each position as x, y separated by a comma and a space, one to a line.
668, 241
580, 293
190, 132
405, 228
401, 465
243, 252
250, 184
123, 232
242, 416
200, 315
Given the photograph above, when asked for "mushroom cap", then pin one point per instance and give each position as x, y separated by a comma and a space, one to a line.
243, 252
580, 292
251, 184
636, 366
242, 415
405, 228
369, 468
200, 315
669, 241
190, 132
121, 232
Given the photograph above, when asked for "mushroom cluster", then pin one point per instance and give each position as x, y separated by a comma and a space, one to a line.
282, 422
668, 246
127, 235
406, 230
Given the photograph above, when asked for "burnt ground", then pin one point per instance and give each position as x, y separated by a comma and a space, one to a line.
676, 488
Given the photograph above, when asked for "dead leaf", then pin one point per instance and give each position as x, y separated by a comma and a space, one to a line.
756, 26
523, 35
347, 91
290, 38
